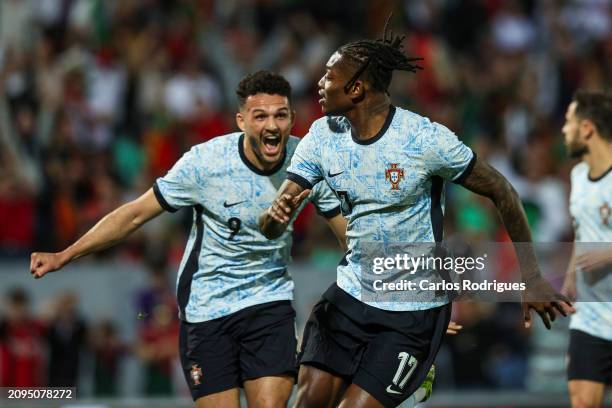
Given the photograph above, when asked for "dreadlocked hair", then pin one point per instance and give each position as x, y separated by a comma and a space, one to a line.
378, 59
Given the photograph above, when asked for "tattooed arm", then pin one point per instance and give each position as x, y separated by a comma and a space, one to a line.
540, 296
488, 182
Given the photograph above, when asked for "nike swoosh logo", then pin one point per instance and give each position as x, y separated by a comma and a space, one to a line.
226, 205
392, 391
330, 175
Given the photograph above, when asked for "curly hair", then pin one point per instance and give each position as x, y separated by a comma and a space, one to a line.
262, 82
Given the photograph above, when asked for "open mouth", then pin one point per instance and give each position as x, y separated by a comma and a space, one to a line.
272, 144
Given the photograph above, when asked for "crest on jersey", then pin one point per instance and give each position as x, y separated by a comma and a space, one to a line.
606, 213
195, 374
394, 175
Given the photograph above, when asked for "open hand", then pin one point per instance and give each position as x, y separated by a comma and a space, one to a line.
541, 297
593, 260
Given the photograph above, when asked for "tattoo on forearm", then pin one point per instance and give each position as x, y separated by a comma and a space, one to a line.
486, 181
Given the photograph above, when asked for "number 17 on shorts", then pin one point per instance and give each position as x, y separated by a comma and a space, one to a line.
407, 365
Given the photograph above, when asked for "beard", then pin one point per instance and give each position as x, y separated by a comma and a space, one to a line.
576, 149
258, 150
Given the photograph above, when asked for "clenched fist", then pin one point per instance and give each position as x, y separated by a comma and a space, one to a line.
42, 263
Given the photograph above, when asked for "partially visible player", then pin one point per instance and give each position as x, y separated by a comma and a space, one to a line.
387, 165
588, 136
233, 288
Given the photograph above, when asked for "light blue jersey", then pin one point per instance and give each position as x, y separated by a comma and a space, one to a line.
390, 186
591, 210
228, 264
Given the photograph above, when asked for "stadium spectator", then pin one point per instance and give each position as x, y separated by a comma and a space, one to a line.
66, 339
158, 332
22, 344
498, 73
156, 292
157, 349
108, 352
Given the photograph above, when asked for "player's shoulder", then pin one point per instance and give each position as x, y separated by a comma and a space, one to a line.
230, 139
419, 126
292, 143
579, 172
218, 145
420, 132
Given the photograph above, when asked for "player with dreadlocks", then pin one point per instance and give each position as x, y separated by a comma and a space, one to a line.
387, 166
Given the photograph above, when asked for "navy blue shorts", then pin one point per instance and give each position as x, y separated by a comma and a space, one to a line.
386, 353
255, 342
589, 358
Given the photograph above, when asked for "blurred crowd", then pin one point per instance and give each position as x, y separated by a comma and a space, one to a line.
59, 347
100, 97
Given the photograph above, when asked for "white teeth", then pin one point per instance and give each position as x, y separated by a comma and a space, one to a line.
273, 140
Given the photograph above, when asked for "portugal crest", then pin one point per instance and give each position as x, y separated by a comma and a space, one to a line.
196, 374
394, 175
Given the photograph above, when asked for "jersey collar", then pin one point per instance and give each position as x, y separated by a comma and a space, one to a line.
250, 165
380, 133
605, 173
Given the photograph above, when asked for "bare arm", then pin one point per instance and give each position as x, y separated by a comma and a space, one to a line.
110, 230
338, 226
486, 181
569, 284
274, 221
594, 260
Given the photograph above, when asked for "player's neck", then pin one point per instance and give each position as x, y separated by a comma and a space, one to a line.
599, 159
368, 119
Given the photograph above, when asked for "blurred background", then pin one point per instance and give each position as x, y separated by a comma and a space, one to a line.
98, 98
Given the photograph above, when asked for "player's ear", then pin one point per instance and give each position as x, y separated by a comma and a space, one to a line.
240, 120
357, 91
587, 128
292, 117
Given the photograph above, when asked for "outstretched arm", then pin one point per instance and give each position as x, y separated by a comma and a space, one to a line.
486, 181
110, 230
274, 221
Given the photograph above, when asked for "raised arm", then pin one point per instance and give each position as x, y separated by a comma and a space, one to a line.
110, 230
274, 221
540, 296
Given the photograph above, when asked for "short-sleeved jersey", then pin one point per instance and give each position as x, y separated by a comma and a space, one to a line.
390, 186
228, 264
591, 210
